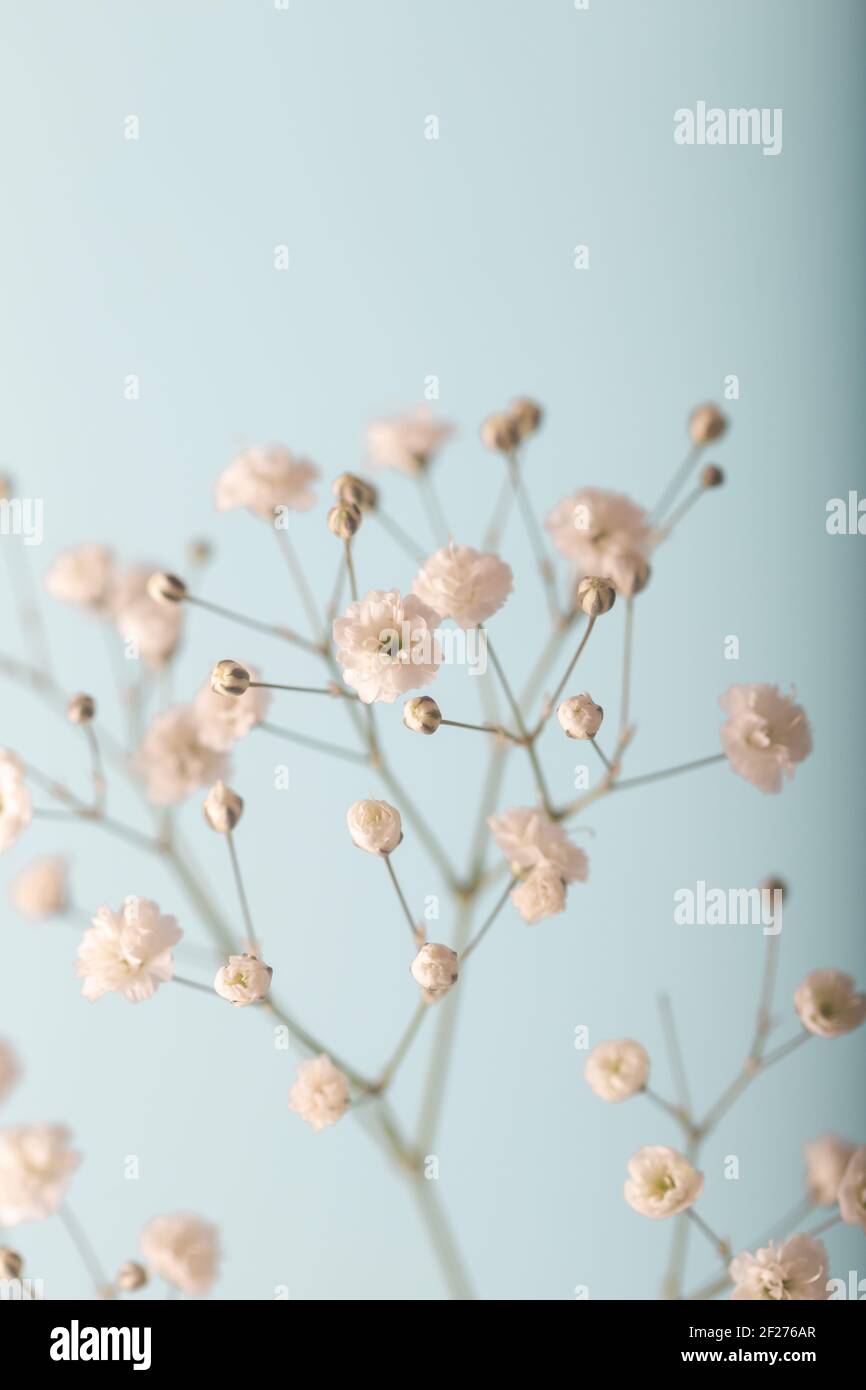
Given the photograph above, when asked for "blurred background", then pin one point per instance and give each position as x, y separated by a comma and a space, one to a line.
262, 126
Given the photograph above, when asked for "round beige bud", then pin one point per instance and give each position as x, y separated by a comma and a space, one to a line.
422, 715
131, 1276
223, 808
580, 716
635, 575
11, 1263
374, 826
706, 423
81, 709
525, 415
344, 520
499, 431
229, 678
712, 476
435, 969
166, 588
350, 488
595, 596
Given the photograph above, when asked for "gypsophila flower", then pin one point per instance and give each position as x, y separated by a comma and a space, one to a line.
529, 838
826, 1160
579, 716
852, 1190
40, 891
766, 734
321, 1093
796, 1270
223, 719
828, 1004
463, 584
16, 807
182, 1249
407, 442
152, 630
422, 715
10, 1069
130, 1277
601, 533
661, 1182
36, 1167
173, 758
374, 826
81, 575
435, 968
243, 980
617, 1070
127, 952
540, 894
264, 479
386, 645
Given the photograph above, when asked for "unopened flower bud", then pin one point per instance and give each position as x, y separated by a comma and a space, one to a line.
634, 574
350, 488
422, 715
375, 826
243, 980
131, 1276
499, 431
229, 678
712, 476
580, 716
595, 596
222, 808
166, 588
81, 709
435, 969
11, 1263
525, 416
706, 423
344, 520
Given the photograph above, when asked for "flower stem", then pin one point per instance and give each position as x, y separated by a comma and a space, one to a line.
483, 930
239, 884
286, 633
413, 925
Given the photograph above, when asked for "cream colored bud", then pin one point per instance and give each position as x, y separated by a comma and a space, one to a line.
344, 520
595, 596
435, 969
81, 709
525, 416
223, 808
130, 1277
712, 476
229, 678
634, 575
166, 588
350, 488
422, 715
706, 423
580, 716
11, 1263
499, 431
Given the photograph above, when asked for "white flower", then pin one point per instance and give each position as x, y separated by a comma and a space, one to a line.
223, 719
16, 808
603, 534
183, 1250
81, 575
173, 758
36, 1165
264, 479
580, 716
406, 442
617, 1070
243, 980
852, 1190
826, 1160
39, 891
386, 645
661, 1182
9, 1068
321, 1093
529, 838
765, 735
828, 1004
796, 1270
435, 969
127, 951
463, 584
374, 826
540, 894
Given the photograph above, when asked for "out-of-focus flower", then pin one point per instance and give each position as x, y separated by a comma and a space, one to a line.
706, 423
40, 891
526, 415
152, 628
182, 1249
617, 1070
264, 479
243, 980
130, 1277
661, 1182
826, 1160
82, 575
463, 584
10, 1069
81, 709
386, 645
852, 1190
827, 1003
528, 838
173, 758
374, 826
499, 432
766, 734
16, 808
36, 1166
422, 715
407, 442
540, 894
11, 1263
796, 1270
435, 969
223, 808
321, 1093
224, 718
127, 952
580, 717
603, 534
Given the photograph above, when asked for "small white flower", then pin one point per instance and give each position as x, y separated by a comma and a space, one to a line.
36, 1165
374, 826
82, 575
10, 1070
852, 1190
127, 952
528, 839
243, 980
40, 891
828, 1004
223, 719
765, 735
264, 479
540, 894
580, 716
463, 584
387, 644
173, 758
435, 968
406, 442
826, 1160
795, 1271
183, 1250
617, 1070
661, 1182
16, 808
321, 1093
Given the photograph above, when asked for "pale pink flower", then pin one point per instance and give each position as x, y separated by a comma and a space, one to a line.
173, 758
540, 894
152, 629
463, 584
243, 980
528, 838
264, 479
9, 1068
826, 1160
661, 1182
39, 891
223, 719
828, 1004
182, 1249
16, 807
387, 644
617, 1070
602, 534
81, 575
852, 1190
127, 952
435, 969
36, 1166
321, 1093
766, 734
794, 1271
407, 442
